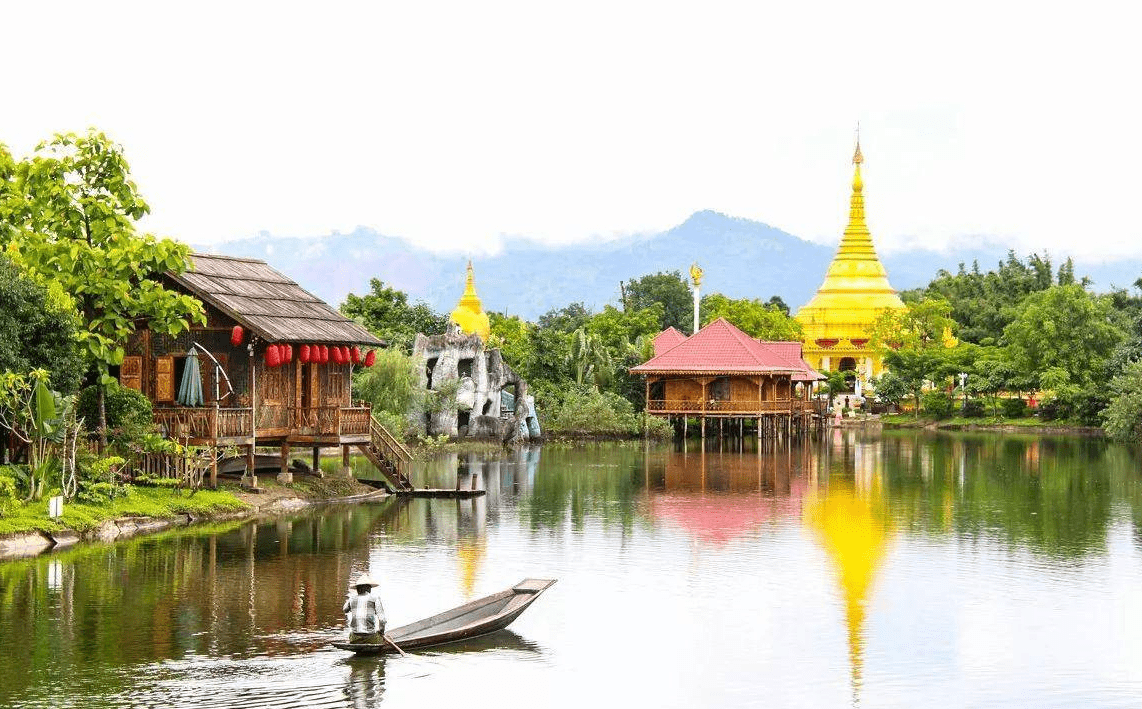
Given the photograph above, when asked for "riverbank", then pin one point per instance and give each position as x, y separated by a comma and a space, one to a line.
1028, 424
143, 510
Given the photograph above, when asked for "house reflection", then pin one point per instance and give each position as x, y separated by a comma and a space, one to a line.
719, 492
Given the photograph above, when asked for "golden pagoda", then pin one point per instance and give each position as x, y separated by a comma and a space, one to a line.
837, 323
469, 313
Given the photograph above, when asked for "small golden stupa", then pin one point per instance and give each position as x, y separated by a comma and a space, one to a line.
837, 323
469, 313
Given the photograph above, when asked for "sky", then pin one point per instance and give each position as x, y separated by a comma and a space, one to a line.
459, 125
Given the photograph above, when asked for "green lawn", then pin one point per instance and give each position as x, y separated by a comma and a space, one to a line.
159, 502
1026, 421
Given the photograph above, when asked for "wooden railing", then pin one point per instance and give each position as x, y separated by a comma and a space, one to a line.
744, 407
387, 442
354, 421
204, 422
208, 423
332, 421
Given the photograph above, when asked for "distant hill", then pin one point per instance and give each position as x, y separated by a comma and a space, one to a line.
741, 258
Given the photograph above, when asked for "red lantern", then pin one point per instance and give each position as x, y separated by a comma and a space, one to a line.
236, 335
273, 357
355, 354
325, 354
370, 358
303, 354
337, 359
288, 353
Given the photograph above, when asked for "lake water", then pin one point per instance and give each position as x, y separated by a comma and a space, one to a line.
864, 569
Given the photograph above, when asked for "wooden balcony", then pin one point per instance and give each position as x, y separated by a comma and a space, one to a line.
340, 422
727, 408
206, 425
201, 425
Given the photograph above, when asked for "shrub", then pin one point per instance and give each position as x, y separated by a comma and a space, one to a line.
128, 412
585, 409
1053, 409
938, 405
1014, 408
1084, 406
9, 492
974, 408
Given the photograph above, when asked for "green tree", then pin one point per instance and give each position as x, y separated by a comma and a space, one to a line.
392, 386
913, 342
38, 328
386, 312
1122, 419
983, 304
567, 319
1063, 336
891, 388
776, 301
589, 359
76, 216
667, 289
753, 317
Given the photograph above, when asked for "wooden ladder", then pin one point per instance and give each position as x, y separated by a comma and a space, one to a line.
388, 455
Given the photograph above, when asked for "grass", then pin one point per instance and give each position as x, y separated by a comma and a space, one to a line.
987, 421
158, 502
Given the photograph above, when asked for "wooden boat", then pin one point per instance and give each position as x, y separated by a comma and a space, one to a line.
480, 617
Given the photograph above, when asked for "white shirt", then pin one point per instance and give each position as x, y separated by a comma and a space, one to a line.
364, 612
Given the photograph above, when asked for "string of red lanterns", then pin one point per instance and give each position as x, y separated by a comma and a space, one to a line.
280, 354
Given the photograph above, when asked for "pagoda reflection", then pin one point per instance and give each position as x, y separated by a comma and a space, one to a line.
846, 513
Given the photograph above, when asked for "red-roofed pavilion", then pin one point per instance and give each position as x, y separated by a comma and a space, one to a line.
721, 372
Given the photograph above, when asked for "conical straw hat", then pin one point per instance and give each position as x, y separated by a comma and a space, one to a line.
365, 580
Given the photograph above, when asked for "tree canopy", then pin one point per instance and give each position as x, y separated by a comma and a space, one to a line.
766, 321
386, 312
38, 326
73, 210
669, 290
1063, 336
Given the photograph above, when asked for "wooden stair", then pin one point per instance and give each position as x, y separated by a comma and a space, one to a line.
388, 455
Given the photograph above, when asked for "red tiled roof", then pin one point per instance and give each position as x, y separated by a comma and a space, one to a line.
667, 339
791, 351
719, 347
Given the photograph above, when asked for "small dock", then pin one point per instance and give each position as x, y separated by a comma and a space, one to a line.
454, 493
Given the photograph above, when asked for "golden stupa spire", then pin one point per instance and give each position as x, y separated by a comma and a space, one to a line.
469, 313
838, 322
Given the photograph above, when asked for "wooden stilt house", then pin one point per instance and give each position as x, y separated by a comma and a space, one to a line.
722, 373
274, 369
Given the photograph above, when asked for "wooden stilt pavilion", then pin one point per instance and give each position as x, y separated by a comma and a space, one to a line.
722, 373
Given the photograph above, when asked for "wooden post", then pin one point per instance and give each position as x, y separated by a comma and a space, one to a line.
285, 476
250, 479
317, 461
346, 469
214, 442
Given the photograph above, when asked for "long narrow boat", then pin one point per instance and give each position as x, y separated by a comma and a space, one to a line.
482, 616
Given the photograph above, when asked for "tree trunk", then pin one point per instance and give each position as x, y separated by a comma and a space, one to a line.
102, 418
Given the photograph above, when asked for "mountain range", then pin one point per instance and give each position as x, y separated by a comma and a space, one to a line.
741, 259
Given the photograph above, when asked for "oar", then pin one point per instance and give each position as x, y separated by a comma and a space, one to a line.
390, 641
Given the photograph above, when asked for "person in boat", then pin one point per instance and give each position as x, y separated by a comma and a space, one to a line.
364, 612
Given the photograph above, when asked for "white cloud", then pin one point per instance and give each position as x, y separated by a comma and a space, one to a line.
459, 124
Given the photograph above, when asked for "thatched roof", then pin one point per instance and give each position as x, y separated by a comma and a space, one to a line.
267, 303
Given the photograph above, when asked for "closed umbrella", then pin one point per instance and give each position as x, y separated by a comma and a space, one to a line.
190, 390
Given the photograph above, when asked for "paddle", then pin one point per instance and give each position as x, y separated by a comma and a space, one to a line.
390, 641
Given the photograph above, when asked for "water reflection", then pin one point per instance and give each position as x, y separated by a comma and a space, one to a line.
840, 556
